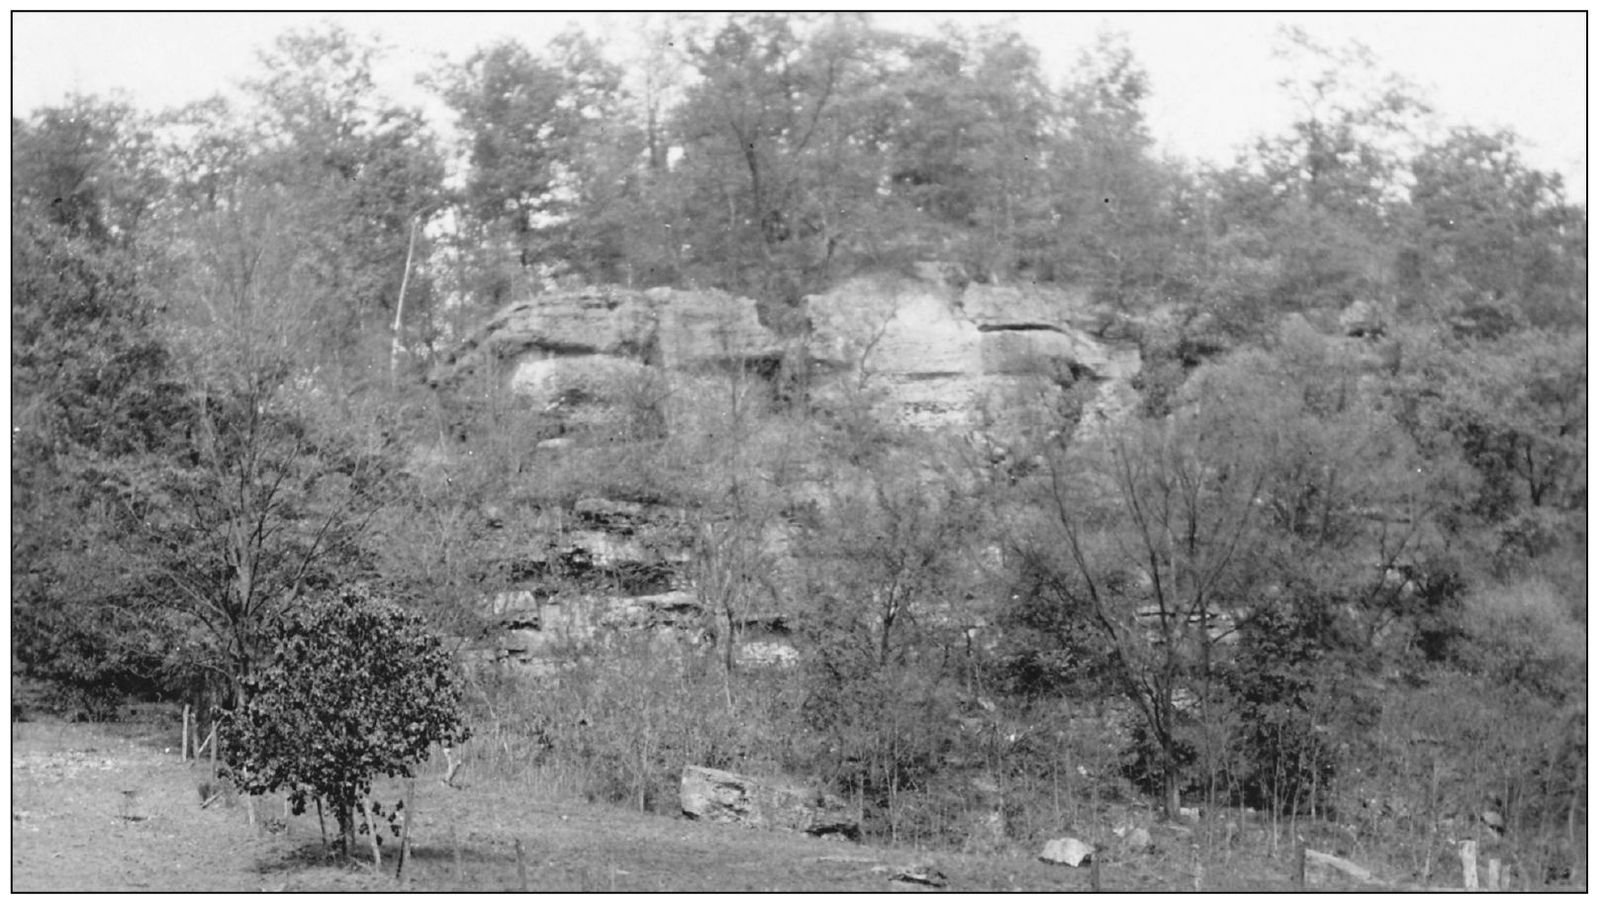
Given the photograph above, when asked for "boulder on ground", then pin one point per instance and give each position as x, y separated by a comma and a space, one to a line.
1134, 839
1323, 869
708, 794
920, 873
1066, 851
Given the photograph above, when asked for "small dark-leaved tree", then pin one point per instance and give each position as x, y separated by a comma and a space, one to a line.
355, 689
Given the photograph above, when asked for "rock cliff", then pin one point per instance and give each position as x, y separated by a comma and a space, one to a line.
941, 357
926, 354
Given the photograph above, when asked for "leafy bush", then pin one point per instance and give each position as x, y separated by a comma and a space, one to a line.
1521, 634
355, 690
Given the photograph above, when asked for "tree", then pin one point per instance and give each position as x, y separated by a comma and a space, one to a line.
1346, 153
771, 155
509, 108
283, 458
352, 176
1496, 243
891, 551
1324, 196
965, 128
1513, 413
1146, 538
355, 689
1109, 194
260, 505
92, 381
1277, 489
89, 167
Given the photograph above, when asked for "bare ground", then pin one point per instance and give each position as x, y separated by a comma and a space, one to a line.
112, 808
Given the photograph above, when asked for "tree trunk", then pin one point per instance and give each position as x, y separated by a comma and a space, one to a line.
1172, 790
401, 301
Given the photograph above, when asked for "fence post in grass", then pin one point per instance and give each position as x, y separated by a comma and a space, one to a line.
1097, 870
523, 873
212, 738
373, 835
1493, 875
406, 834
183, 740
1468, 864
456, 854
1303, 868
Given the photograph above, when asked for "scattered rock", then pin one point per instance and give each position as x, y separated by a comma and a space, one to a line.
608, 512
708, 794
767, 654
1362, 319
1135, 839
1323, 869
922, 873
1066, 851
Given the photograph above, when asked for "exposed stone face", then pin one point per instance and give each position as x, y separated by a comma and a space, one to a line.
613, 362
708, 794
540, 337
699, 328
934, 356
997, 307
596, 320
944, 359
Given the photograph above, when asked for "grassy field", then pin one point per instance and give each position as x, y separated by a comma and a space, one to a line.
111, 807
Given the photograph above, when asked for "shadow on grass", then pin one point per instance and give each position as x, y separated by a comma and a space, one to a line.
315, 855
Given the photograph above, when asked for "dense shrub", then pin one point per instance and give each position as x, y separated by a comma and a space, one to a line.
355, 689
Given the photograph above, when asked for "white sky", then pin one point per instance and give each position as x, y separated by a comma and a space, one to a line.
1213, 78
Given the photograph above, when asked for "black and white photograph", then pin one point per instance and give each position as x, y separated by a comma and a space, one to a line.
807, 452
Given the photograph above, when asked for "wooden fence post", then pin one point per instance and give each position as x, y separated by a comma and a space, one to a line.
523, 873
1493, 875
1468, 864
1097, 871
456, 854
406, 834
323, 831
373, 834
183, 740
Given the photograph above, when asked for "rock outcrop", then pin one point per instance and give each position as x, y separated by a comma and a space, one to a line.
928, 354
935, 357
670, 328
588, 356
619, 365
708, 794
